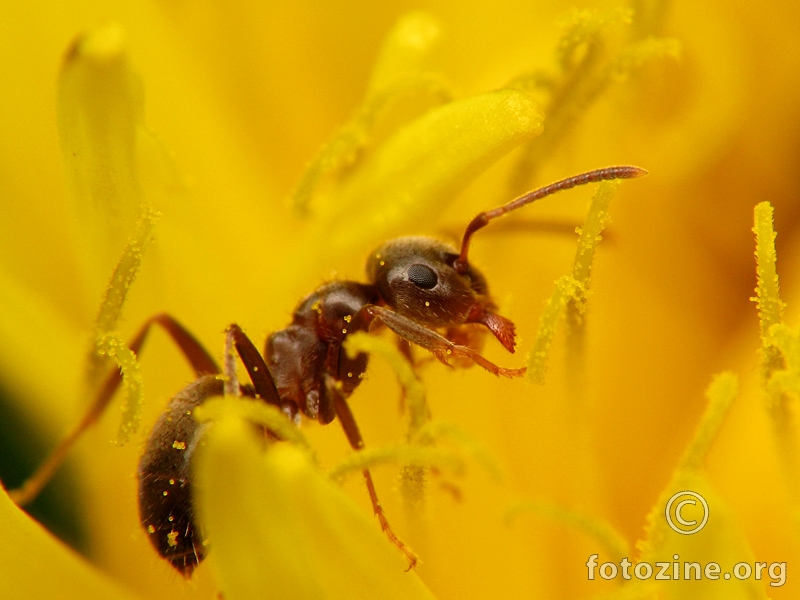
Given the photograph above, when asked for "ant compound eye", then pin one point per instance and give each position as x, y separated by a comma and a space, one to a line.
423, 276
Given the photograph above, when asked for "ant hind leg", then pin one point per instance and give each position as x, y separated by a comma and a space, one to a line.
200, 360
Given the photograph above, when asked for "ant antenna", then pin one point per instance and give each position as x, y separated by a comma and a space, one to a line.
482, 220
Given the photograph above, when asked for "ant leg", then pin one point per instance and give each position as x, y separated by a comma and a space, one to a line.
255, 365
265, 389
357, 443
198, 358
404, 346
440, 346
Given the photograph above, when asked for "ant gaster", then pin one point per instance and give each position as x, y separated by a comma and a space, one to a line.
424, 290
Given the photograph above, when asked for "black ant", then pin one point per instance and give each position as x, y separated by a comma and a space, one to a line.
418, 287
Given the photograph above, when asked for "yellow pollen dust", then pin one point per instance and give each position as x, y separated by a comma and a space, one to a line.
344, 330
165, 493
172, 538
427, 303
348, 318
349, 374
172, 482
317, 307
151, 529
178, 445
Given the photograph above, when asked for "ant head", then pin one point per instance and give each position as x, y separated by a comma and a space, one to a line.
434, 285
417, 278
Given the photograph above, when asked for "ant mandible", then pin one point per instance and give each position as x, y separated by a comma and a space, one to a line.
417, 285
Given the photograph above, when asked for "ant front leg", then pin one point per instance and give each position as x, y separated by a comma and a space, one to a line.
198, 358
440, 346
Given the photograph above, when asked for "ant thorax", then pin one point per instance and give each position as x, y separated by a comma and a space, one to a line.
306, 358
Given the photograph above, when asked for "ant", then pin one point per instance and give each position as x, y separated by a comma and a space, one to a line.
418, 287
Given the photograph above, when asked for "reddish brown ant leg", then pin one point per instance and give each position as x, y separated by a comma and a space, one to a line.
254, 364
440, 346
357, 443
405, 349
451, 488
408, 353
198, 358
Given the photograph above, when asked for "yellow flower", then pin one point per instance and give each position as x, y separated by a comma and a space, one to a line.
239, 99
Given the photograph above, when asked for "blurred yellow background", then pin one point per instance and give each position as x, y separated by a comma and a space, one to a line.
242, 95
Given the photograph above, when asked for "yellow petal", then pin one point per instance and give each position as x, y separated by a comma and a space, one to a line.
38, 342
399, 74
33, 564
277, 529
115, 168
406, 51
414, 175
720, 541
100, 103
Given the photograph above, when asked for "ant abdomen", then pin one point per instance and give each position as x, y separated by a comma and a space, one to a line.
165, 494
